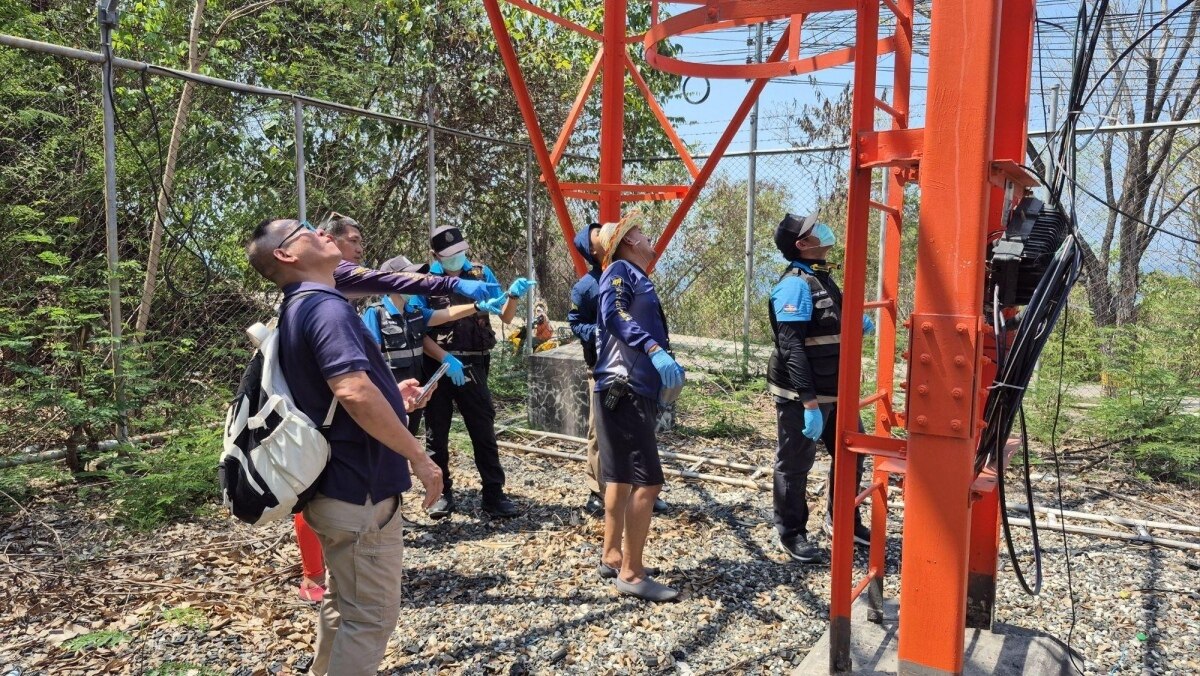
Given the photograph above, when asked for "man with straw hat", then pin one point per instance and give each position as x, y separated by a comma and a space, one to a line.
634, 372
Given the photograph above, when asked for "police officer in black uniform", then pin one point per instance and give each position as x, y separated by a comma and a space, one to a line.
400, 329
806, 318
469, 342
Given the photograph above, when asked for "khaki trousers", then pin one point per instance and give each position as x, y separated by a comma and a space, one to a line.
594, 478
364, 557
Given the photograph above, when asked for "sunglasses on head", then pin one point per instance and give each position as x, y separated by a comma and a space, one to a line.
304, 225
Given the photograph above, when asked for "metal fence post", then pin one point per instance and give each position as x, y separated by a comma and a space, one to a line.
529, 302
301, 197
751, 195
107, 18
431, 163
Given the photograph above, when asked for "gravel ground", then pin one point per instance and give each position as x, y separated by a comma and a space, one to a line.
522, 596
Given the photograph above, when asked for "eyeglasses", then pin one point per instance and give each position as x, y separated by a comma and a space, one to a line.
304, 225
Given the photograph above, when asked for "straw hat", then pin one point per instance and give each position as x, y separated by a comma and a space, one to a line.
611, 235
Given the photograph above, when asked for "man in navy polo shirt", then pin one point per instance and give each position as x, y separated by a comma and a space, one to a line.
634, 371
326, 352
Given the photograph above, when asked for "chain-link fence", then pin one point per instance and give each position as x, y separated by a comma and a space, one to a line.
186, 294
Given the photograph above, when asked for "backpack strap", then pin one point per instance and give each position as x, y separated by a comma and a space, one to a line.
333, 405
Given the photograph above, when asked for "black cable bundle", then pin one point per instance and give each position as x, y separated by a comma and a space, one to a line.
1033, 327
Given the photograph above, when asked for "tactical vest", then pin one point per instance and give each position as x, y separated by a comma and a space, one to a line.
467, 336
401, 339
822, 341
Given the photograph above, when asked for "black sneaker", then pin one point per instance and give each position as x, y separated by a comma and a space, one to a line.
594, 505
500, 506
661, 506
799, 549
443, 508
862, 534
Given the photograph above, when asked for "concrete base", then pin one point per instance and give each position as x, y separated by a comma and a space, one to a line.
559, 396
1005, 651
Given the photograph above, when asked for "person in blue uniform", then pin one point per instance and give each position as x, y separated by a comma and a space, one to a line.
634, 372
806, 318
399, 327
585, 299
468, 343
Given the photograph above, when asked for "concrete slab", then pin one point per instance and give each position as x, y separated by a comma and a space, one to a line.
1005, 651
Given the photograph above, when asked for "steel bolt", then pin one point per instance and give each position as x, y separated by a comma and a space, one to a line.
926, 358
923, 390
960, 360
926, 326
956, 425
922, 420
956, 393
960, 327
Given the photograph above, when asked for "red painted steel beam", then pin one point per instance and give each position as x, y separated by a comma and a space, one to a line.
525, 104
947, 319
718, 151
554, 18
581, 98
661, 116
892, 148
858, 211
1008, 149
612, 103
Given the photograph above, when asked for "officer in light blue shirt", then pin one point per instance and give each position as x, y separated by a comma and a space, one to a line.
806, 319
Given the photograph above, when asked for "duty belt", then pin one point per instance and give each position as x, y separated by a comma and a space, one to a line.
795, 396
824, 340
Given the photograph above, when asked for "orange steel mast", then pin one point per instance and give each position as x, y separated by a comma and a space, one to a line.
966, 162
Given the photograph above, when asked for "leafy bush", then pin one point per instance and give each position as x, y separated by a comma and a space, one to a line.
1149, 377
155, 487
716, 407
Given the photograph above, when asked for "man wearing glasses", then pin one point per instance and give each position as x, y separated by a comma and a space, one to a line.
355, 281
326, 352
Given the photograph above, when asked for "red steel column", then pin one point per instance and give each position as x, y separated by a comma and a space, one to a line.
1012, 113
858, 208
612, 107
947, 322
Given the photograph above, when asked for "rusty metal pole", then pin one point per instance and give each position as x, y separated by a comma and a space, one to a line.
612, 106
945, 337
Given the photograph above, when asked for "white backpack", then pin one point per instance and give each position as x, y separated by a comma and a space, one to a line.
274, 454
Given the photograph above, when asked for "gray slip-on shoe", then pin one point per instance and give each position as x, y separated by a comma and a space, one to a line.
607, 572
647, 589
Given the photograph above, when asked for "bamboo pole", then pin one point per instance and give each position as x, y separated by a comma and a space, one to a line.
683, 474
60, 453
670, 455
1105, 533
1115, 520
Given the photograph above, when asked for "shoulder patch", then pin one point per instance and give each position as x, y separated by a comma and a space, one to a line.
790, 307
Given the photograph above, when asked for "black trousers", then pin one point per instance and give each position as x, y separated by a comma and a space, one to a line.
474, 402
794, 457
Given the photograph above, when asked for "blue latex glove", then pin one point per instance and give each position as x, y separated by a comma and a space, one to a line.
868, 325
476, 290
520, 286
493, 305
668, 369
455, 372
814, 423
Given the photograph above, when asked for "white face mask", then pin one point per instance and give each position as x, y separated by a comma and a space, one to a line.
453, 263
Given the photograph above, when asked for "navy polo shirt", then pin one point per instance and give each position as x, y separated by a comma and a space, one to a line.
321, 337
631, 322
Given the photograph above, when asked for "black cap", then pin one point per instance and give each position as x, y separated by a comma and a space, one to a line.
447, 241
791, 229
